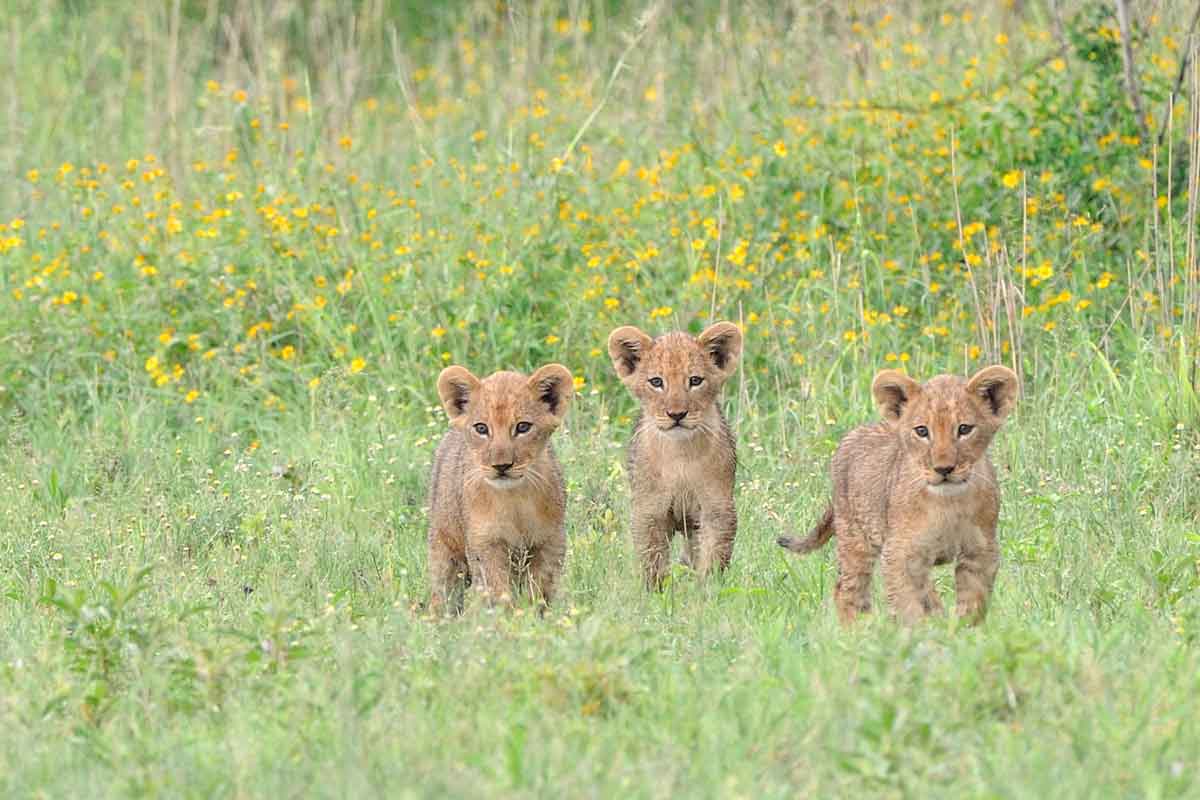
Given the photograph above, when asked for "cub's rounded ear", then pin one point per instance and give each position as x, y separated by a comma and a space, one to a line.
996, 387
893, 392
627, 346
554, 387
722, 343
456, 385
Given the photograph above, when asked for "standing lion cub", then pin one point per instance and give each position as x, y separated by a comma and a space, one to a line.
920, 491
496, 498
682, 457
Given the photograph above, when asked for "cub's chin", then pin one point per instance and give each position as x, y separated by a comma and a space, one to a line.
947, 488
677, 432
505, 483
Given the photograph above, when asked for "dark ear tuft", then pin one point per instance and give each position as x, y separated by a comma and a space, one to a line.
893, 391
554, 387
455, 387
997, 387
627, 346
722, 342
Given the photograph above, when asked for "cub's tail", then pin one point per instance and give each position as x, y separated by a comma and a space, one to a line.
816, 539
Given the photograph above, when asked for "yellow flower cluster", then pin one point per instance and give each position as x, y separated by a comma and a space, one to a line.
270, 260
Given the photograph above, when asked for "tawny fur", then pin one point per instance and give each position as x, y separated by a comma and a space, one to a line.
682, 458
496, 497
917, 491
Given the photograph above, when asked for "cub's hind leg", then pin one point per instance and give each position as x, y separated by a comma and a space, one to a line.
718, 527
933, 601
856, 563
688, 529
545, 567
907, 581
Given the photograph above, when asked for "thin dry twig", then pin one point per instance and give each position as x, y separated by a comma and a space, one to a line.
1191, 315
1131, 82
413, 112
643, 25
712, 307
962, 243
1183, 65
1193, 179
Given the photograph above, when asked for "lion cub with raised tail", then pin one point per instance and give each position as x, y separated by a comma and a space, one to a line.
682, 458
918, 490
496, 498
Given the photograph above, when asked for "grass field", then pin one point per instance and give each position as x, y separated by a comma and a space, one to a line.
238, 241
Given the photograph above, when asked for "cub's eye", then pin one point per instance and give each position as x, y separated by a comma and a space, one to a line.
481, 429
523, 427
921, 431
964, 429
695, 380
656, 382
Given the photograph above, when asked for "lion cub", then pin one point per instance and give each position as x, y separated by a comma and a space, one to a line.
496, 498
920, 491
682, 457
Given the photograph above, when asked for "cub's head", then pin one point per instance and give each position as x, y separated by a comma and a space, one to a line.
506, 418
946, 425
676, 377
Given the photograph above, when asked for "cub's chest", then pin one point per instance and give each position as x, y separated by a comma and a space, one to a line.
948, 534
664, 464
680, 473
518, 517
678, 479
